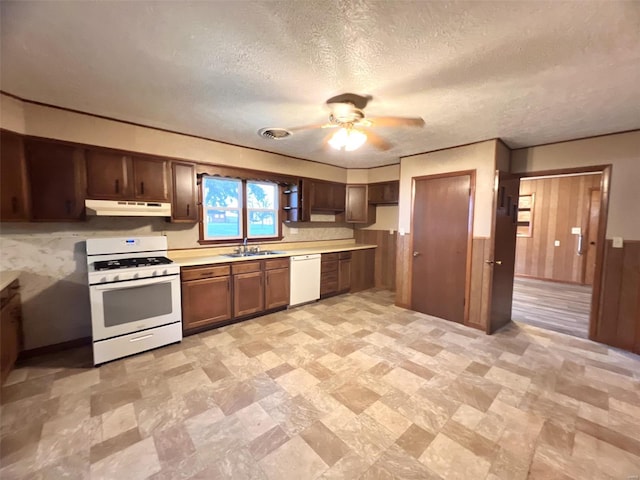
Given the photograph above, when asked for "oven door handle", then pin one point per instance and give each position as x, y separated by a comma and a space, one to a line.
139, 282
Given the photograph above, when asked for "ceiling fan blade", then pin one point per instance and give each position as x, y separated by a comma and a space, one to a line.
377, 141
396, 121
311, 127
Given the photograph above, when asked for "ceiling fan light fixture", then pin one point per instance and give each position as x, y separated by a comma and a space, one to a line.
348, 139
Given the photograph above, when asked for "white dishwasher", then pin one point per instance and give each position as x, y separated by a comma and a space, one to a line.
305, 279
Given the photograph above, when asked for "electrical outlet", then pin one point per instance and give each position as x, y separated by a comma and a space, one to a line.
576, 231
556, 243
617, 242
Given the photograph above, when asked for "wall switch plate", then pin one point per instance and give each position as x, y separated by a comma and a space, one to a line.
401, 231
617, 242
556, 243
576, 231
391, 231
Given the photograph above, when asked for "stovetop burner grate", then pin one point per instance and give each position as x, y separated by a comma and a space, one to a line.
131, 263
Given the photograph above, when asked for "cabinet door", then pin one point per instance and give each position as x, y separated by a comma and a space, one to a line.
184, 203
384, 193
206, 302
56, 180
9, 336
108, 175
344, 274
150, 179
13, 178
358, 209
248, 294
276, 290
338, 194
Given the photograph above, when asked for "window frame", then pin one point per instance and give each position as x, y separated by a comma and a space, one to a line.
244, 220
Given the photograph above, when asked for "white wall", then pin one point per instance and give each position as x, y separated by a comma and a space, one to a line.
621, 150
480, 157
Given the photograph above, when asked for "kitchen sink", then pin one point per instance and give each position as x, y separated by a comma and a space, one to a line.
262, 253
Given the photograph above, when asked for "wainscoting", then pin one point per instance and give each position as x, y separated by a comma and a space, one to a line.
618, 322
560, 307
385, 255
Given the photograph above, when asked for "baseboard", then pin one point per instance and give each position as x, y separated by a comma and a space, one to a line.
55, 348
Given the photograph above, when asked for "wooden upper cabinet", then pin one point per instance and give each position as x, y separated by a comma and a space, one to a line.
384, 193
14, 203
57, 180
358, 209
184, 201
150, 179
108, 175
327, 196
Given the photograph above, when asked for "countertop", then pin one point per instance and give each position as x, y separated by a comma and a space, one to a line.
6, 277
193, 260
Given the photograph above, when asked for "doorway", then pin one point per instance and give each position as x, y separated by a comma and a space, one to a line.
441, 244
558, 231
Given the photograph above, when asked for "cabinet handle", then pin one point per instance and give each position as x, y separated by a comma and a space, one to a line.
14, 204
142, 188
117, 186
188, 209
228, 284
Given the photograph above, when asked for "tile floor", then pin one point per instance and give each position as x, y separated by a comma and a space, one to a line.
348, 388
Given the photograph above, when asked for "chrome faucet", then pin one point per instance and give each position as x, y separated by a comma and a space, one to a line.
244, 245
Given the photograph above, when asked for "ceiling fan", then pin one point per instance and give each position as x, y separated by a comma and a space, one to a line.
346, 113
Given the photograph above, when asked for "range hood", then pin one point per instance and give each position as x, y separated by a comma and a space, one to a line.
127, 208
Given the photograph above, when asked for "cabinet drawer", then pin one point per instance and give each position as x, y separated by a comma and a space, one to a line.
204, 272
329, 277
329, 266
245, 267
345, 255
276, 263
329, 257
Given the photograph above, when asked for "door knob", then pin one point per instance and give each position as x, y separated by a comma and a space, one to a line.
415, 254
492, 262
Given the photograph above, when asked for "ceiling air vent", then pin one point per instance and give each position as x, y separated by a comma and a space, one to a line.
274, 133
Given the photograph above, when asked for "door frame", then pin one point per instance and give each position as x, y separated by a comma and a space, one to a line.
472, 197
605, 183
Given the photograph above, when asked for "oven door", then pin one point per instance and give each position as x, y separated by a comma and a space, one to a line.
134, 305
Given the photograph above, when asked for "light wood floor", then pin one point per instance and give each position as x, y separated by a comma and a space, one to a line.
554, 306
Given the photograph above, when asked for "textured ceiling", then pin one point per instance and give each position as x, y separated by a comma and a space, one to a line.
528, 72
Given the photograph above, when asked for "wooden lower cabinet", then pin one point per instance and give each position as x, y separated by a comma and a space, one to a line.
10, 329
276, 289
344, 272
205, 301
248, 293
328, 274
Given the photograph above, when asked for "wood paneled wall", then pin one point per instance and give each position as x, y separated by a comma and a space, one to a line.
560, 204
385, 255
618, 321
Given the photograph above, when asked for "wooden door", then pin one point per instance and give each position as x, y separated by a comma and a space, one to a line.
440, 233
108, 175
184, 202
592, 236
206, 302
276, 290
248, 294
14, 205
150, 179
57, 180
10, 338
503, 258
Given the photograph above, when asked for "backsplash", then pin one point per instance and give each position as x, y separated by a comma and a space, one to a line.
52, 261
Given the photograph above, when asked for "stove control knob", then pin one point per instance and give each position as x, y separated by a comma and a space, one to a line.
115, 278
154, 273
135, 275
103, 280
165, 272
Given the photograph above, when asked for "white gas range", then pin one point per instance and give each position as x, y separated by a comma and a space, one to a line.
135, 296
